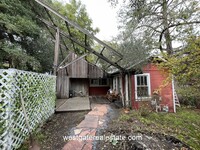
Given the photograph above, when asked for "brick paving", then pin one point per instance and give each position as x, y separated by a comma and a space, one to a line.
88, 127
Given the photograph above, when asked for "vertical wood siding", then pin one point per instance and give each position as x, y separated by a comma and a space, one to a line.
75, 76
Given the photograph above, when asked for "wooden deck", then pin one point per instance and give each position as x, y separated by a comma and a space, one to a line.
73, 104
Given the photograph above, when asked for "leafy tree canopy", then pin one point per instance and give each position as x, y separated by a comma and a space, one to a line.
25, 42
185, 66
163, 24
19, 29
76, 12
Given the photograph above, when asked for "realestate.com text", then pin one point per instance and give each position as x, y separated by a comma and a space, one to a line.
103, 137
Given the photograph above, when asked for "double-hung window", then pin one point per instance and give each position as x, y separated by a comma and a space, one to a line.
142, 86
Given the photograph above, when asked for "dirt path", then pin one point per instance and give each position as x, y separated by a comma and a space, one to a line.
63, 124
85, 134
58, 126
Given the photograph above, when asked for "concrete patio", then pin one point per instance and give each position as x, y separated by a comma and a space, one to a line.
73, 104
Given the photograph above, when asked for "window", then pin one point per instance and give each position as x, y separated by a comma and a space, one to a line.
94, 82
142, 85
99, 82
103, 82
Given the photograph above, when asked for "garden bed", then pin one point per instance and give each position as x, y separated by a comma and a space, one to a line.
156, 131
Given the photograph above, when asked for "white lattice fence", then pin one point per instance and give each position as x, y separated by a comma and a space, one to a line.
38, 91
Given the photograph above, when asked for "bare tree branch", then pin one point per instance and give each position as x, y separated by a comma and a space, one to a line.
174, 25
148, 26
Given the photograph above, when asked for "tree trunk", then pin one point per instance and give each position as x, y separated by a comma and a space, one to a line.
167, 32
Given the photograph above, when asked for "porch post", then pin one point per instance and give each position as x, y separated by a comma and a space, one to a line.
130, 90
127, 90
117, 85
122, 89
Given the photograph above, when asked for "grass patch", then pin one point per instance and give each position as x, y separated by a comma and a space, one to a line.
184, 125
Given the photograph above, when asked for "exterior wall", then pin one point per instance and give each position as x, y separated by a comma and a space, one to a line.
62, 85
82, 69
77, 85
95, 72
98, 91
75, 77
78, 69
156, 80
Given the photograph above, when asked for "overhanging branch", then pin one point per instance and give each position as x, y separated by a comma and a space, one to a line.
174, 25
78, 27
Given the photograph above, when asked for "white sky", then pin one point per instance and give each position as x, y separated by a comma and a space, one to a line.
104, 17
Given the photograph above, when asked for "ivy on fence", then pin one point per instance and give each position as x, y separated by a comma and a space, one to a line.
39, 94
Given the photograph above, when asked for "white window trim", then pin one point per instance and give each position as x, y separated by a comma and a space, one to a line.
148, 83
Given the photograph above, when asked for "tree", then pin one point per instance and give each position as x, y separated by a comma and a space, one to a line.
76, 12
185, 66
166, 22
134, 50
26, 43
165, 25
19, 29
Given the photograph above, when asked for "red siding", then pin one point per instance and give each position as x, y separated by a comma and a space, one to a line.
98, 90
156, 80
134, 103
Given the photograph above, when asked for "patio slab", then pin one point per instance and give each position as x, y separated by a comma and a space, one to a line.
73, 104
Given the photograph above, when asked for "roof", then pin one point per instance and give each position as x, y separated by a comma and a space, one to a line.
50, 24
111, 64
135, 65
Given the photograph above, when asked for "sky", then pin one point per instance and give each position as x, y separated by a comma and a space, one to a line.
104, 17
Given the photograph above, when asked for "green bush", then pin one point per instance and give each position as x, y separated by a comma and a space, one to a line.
185, 67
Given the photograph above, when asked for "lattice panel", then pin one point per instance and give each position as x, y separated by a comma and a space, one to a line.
39, 94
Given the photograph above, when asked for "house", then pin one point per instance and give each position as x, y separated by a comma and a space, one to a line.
138, 87
81, 78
